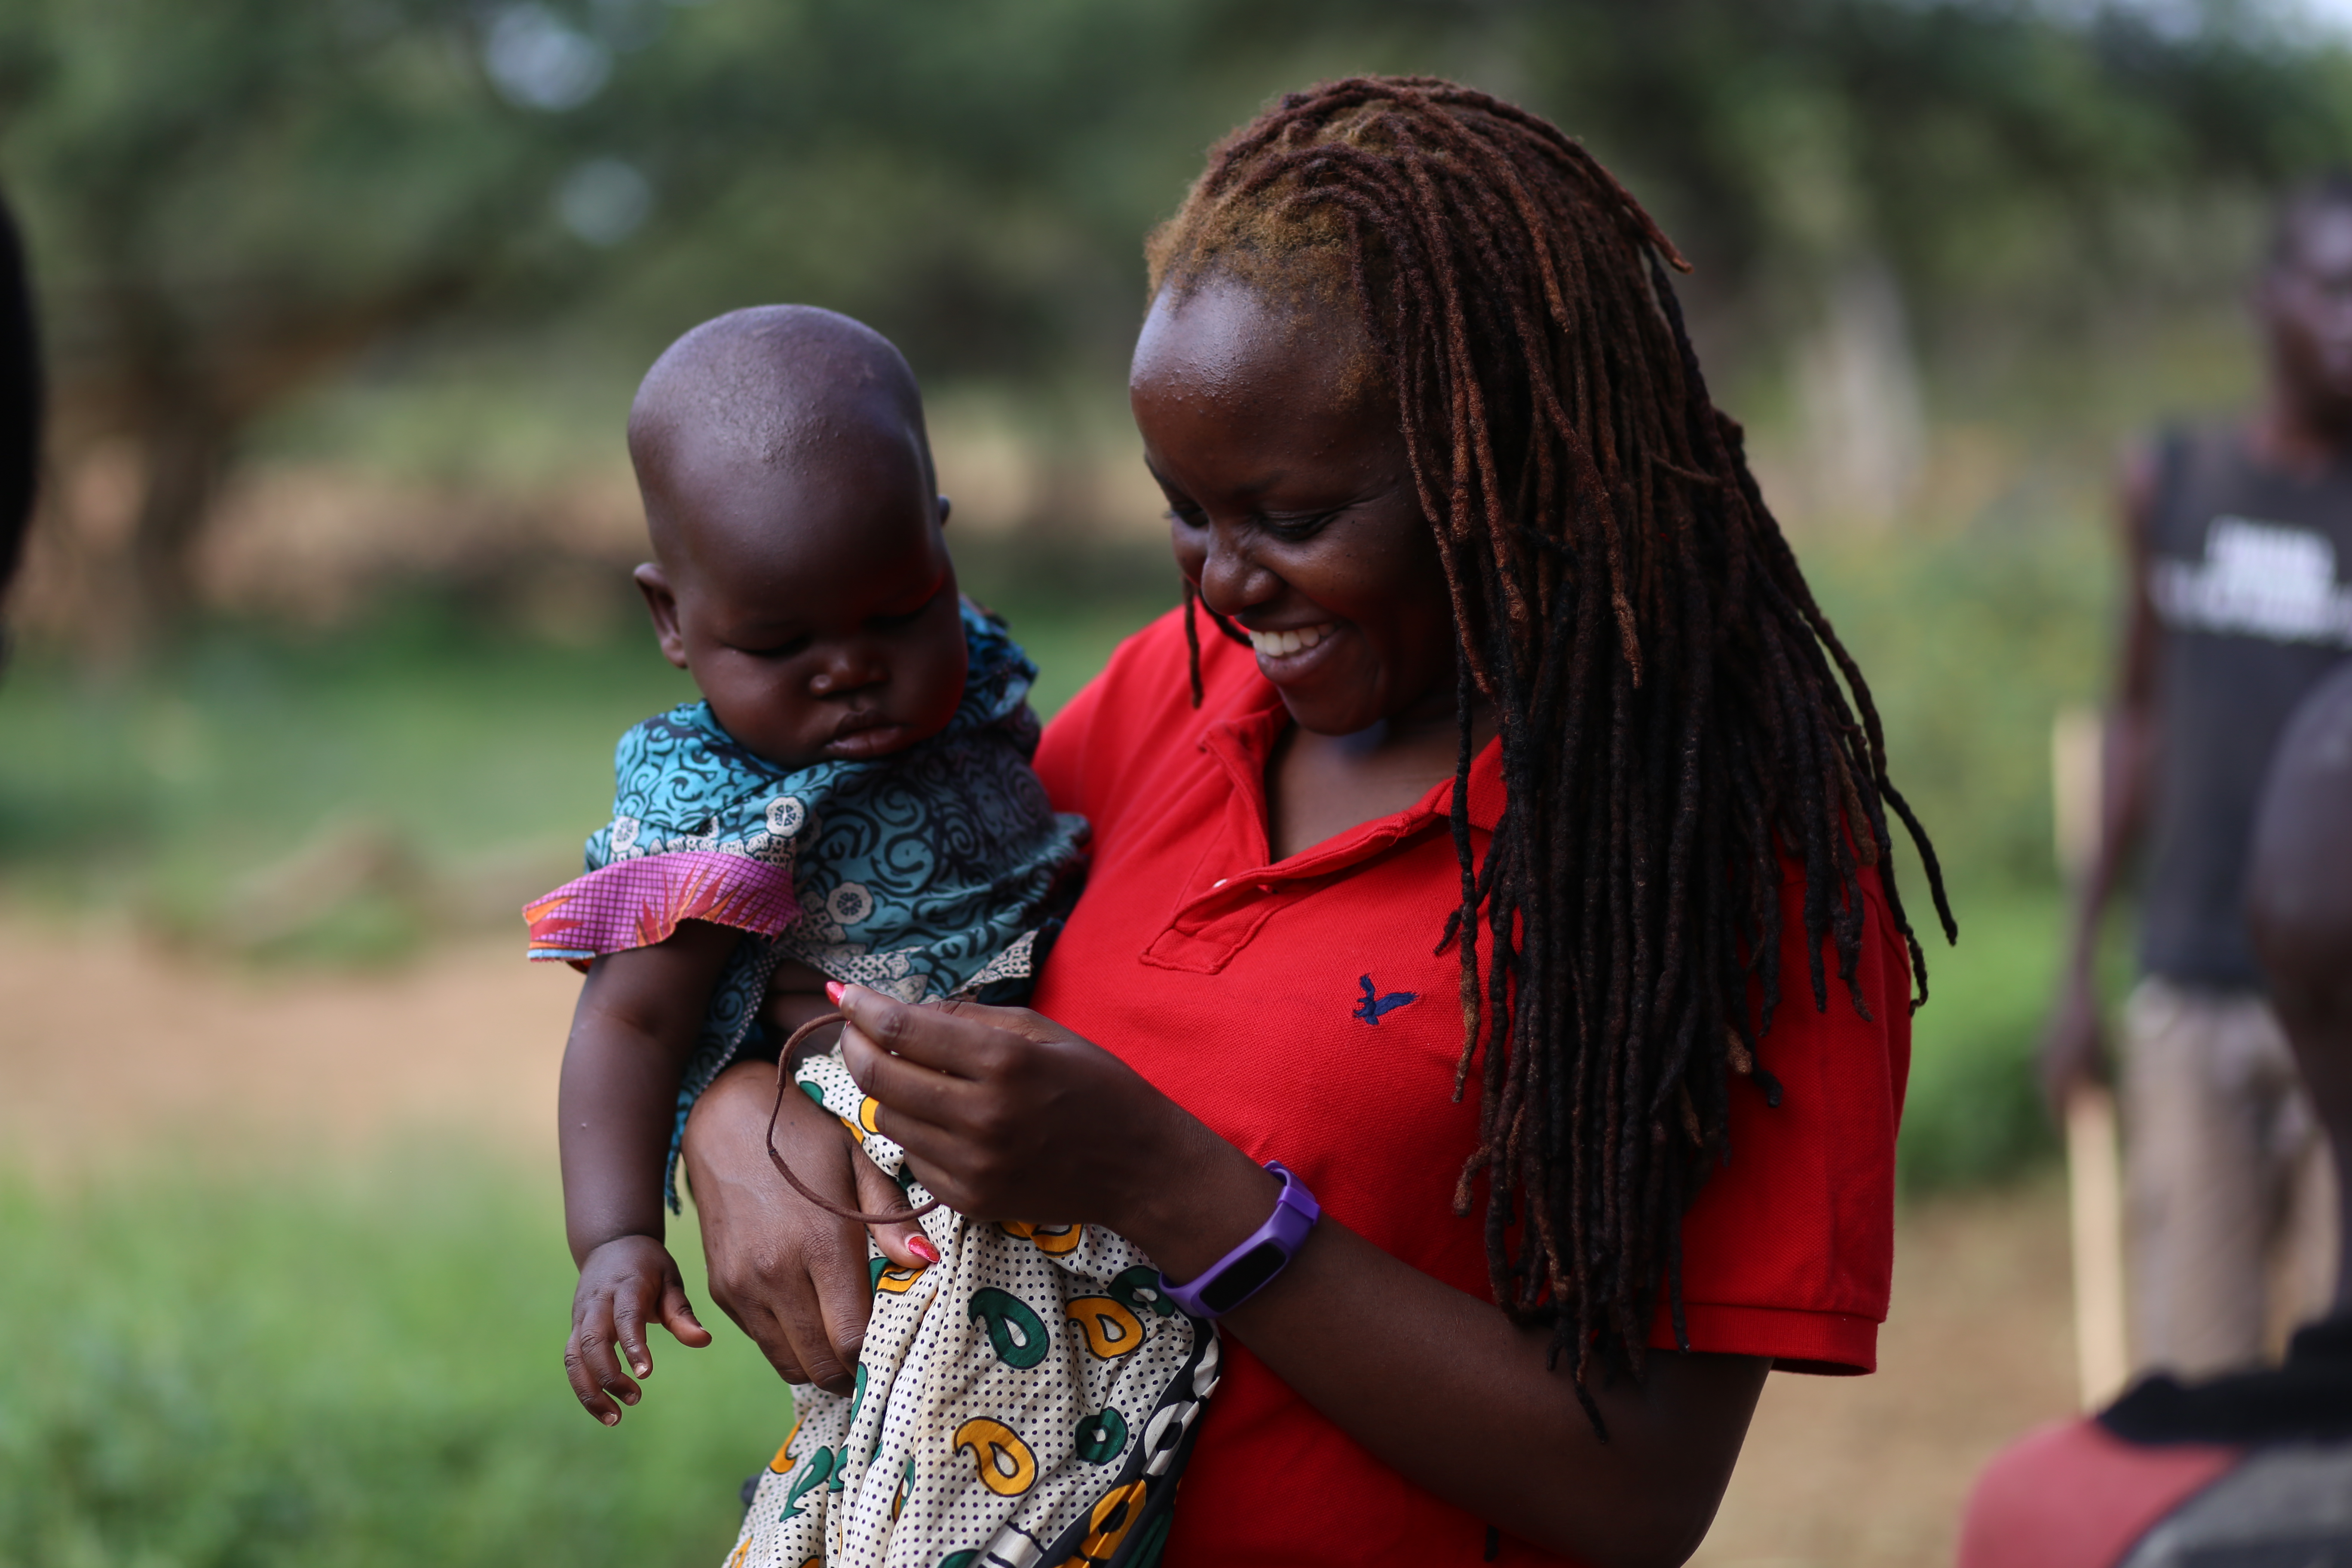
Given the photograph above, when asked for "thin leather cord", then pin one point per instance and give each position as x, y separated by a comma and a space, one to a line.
784, 1086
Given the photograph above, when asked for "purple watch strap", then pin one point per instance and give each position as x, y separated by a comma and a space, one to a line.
1252, 1266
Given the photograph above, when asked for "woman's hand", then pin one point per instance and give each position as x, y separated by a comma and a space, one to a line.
1007, 1115
793, 1276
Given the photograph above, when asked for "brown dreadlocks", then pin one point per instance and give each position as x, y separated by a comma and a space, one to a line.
1667, 689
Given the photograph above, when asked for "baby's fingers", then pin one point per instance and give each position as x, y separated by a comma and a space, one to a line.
677, 1317
629, 1328
589, 1386
589, 1362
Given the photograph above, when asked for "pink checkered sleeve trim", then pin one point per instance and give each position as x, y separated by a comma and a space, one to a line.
636, 903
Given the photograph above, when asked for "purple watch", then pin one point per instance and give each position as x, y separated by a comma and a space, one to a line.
1251, 1267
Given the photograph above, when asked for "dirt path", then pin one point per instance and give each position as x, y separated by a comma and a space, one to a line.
107, 1046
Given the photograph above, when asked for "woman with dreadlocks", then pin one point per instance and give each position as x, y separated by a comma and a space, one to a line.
1505, 863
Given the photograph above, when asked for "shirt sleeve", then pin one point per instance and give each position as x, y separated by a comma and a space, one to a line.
1789, 1250
640, 903
693, 835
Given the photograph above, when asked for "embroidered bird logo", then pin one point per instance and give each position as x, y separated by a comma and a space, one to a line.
1374, 1005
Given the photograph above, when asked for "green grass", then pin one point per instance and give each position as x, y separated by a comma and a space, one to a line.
168, 790
343, 1373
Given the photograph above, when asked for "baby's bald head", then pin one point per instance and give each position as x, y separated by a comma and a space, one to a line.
2299, 897
773, 398
799, 574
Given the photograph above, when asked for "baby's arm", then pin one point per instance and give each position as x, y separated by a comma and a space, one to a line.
638, 1015
795, 995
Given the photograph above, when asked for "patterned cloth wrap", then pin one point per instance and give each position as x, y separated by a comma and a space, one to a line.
1031, 1398
935, 871
1028, 1401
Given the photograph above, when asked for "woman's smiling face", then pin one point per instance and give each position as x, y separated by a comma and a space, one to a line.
1292, 506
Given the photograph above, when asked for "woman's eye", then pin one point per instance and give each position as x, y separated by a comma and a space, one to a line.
1296, 528
1189, 515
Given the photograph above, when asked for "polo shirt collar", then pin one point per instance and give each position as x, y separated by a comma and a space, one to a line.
1244, 744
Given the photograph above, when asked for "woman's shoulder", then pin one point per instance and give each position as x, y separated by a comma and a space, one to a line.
1141, 708
1151, 670
1824, 1001
1158, 655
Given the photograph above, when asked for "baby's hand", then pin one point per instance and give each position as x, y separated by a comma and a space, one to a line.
624, 1283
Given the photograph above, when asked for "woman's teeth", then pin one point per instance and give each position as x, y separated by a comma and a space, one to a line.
1276, 645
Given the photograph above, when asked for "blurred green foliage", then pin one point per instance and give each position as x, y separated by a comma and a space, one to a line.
229, 204
1973, 1113
1971, 640
172, 792
354, 1370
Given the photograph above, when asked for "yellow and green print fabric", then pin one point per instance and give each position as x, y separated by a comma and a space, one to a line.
1026, 1402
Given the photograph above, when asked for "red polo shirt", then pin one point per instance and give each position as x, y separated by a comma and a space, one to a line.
1299, 1008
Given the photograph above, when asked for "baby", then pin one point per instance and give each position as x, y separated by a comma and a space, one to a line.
851, 802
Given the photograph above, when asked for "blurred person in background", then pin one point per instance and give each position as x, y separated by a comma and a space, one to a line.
2239, 606
20, 405
2254, 1466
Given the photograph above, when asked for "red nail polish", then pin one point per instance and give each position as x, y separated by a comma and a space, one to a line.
921, 1247
834, 990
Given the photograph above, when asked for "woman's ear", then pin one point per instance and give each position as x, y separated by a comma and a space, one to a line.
661, 603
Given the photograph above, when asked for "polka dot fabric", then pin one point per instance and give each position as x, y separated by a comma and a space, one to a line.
1028, 1401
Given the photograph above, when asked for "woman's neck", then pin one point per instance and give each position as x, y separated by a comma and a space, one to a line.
1319, 786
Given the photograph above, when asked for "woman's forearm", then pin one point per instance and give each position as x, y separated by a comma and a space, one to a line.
1446, 1389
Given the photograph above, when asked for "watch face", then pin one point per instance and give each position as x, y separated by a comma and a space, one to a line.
1253, 1268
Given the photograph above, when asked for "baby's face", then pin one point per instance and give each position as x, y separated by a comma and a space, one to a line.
815, 607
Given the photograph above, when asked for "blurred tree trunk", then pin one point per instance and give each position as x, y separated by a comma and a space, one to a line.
183, 453
178, 383
166, 412
1858, 390
229, 201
